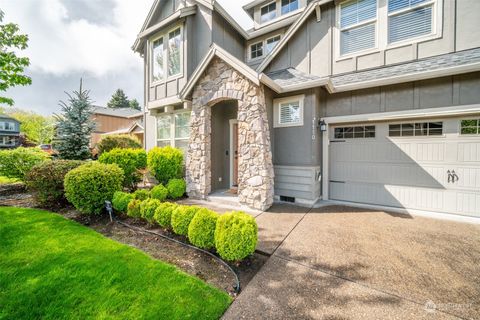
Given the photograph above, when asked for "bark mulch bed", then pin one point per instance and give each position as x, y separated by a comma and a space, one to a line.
189, 260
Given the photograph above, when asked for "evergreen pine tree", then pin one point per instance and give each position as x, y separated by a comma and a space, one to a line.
134, 104
75, 126
119, 100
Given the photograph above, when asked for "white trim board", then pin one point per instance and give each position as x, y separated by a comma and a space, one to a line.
407, 114
420, 213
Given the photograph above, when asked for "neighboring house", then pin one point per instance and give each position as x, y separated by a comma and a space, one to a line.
363, 101
116, 121
9, 132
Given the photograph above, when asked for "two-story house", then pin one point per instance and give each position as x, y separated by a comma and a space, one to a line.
359, 101
9, 132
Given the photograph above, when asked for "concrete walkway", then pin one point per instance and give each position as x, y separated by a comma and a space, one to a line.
344, 263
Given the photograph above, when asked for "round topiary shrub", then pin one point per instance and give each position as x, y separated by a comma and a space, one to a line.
122, 141
133, 209
201, 231
165, 163
141, 194
129, 160
90, 185
46, 181
16, 163
235, 236
163, 214
159, 192
148, 208
181, 218
176, 188
121, 200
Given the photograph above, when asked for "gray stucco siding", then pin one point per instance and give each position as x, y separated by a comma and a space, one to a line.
227, 37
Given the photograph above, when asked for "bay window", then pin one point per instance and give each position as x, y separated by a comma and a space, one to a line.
358, 24
166, 55
173, 130
409, 19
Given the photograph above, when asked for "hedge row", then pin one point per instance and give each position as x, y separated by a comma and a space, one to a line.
233, 235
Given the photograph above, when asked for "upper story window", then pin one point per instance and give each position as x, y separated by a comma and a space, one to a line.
166, 52
268, 12
271, 43
264, 47
288, 112
409, 19
7, 126
289, 6
357, 24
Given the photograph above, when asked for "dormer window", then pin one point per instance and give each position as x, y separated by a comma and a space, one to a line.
289, 6
268, 12
166, 54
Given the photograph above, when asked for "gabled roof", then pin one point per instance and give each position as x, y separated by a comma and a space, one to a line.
216, 51
312, 6
120, 112
127, 130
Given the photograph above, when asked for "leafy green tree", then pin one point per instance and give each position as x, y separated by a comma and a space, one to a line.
75, 126
134, 104
119, 100
12, 66
38, 128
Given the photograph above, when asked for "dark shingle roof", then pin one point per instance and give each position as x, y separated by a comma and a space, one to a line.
419, 66
123, 112
290, 77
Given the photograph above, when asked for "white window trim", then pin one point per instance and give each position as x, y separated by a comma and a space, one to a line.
467, 135
164, 35
12, 124
264, 44
172, 138
381, 29
276, 113
266, 5
259, 23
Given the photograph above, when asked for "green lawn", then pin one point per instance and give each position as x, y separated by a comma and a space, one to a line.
53, 268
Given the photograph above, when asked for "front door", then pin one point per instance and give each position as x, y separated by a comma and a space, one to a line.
233, 153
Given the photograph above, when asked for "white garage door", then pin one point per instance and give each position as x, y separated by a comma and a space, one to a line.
431, 165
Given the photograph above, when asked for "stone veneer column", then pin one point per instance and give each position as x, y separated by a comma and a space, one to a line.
222, 82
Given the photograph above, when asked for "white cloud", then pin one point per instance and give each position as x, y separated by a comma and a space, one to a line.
59, 45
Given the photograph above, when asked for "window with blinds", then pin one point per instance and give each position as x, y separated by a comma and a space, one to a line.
409, 19
288, 111
358, 24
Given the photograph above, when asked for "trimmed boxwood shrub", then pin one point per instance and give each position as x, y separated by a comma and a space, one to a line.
123, 141
176, 188
133, 209
163, 214
121, 200
16, 163
129, 160
148, 208
159, 192
201, 231
46, 181
181, 218
236, 236
141, 194
165, 163
90, 185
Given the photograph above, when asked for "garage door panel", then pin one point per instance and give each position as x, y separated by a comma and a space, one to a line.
409, 172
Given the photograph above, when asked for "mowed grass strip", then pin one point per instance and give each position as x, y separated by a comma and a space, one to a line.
54, 268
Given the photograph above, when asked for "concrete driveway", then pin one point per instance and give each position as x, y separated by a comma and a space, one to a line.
344, 263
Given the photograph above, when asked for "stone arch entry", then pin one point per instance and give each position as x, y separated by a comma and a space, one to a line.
255, 168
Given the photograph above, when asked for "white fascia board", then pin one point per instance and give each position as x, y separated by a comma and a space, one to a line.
254, 33
266, 80
472, 67
252, 4
290, 32
407, 114
164, 102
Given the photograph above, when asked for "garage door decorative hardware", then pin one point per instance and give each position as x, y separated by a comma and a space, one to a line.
452, 176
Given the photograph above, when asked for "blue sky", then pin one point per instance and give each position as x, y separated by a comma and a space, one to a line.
92, 39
